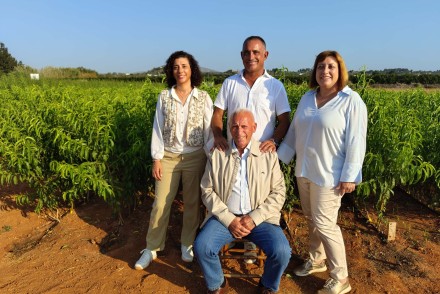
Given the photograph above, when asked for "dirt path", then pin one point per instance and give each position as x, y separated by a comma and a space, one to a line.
88, 252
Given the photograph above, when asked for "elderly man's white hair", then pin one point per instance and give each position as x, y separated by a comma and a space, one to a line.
240, 111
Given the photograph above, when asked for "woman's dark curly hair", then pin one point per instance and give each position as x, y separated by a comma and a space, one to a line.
196, 74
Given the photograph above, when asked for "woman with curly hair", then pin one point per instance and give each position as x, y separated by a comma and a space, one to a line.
180, 132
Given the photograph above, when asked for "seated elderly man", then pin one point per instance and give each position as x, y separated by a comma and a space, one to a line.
243, 190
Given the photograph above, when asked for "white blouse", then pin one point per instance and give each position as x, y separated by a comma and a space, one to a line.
329, 142
179, 145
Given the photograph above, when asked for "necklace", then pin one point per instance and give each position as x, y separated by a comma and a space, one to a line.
183, 95
321, 99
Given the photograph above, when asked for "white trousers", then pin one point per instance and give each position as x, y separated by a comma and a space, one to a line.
320, 206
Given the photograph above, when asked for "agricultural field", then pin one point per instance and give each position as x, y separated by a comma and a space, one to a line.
74, 182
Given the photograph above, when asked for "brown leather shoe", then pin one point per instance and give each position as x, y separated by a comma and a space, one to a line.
222, 290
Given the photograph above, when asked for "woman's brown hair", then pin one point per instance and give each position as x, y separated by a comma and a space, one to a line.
343, 73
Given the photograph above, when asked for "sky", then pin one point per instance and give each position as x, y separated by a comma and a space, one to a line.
135, 36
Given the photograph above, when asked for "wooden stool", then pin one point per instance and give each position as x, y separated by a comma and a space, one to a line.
232, 252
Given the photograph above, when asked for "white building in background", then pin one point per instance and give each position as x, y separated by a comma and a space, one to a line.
35, 76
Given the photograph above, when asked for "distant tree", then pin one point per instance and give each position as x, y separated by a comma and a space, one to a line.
68, 73
25, 69
304, 70
7, 61
156, 71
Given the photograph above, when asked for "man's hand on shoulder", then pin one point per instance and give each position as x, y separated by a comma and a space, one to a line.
220, 143
268, 146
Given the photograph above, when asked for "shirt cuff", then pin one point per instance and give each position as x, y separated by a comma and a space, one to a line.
285, 153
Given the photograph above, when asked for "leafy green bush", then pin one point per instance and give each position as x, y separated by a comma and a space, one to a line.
71, 139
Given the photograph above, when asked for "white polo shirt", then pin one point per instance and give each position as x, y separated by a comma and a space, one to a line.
267, 99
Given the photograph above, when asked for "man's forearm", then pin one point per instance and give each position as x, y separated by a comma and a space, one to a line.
217, 124
283, 125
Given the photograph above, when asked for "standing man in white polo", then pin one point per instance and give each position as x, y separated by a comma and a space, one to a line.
254, 89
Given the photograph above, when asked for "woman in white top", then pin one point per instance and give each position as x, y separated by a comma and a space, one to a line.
180, 132
328, 137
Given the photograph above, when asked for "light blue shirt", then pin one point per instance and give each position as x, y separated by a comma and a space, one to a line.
239, 202
329, 142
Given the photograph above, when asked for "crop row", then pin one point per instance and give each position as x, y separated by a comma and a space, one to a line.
67, 140
71, 139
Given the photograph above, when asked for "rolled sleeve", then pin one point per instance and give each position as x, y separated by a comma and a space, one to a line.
286, 151
207, 131
355, 142
157, 145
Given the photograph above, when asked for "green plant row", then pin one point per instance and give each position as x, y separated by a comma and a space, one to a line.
402, 142
68, 140
71, 139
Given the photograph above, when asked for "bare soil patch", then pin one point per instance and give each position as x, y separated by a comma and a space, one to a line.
89, 251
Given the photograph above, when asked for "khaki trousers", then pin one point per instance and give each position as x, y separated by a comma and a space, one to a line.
186, 167
320, 206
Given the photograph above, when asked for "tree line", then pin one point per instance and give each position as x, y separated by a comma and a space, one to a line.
9, 64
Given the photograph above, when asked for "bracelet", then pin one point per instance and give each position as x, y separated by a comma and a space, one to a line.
276, 142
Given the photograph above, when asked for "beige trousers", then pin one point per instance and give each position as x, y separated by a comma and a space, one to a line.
175, 167
320, 206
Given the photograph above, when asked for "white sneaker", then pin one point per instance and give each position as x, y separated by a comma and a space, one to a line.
309, 267
145, 260
250, 246
333, 286
187, 253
